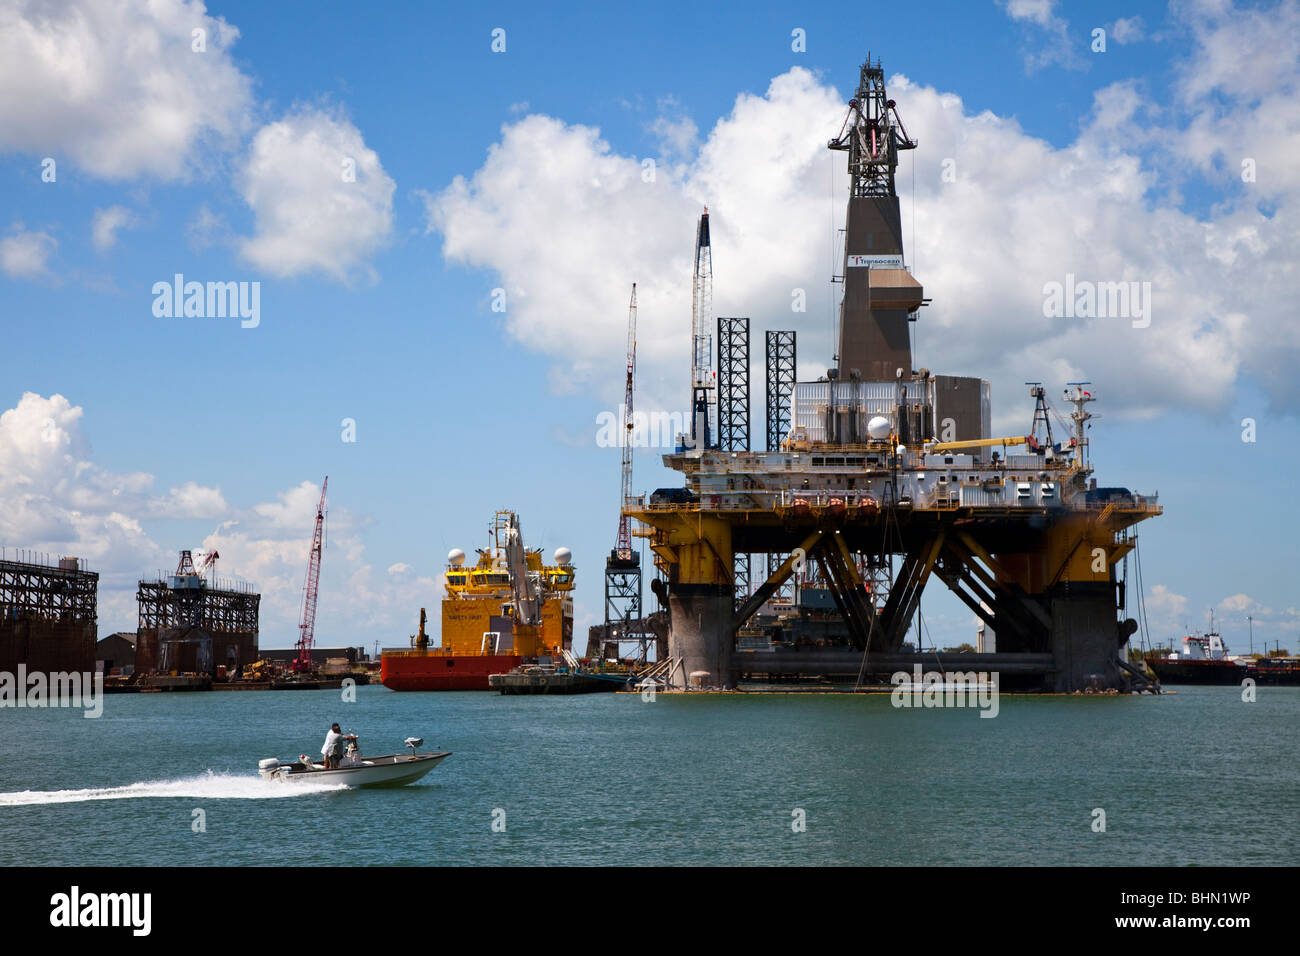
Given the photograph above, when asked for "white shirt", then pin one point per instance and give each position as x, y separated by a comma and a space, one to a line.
330, 739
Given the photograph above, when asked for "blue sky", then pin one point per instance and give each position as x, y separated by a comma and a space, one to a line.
376, 303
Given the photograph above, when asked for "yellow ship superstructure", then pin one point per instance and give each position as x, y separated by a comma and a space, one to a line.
480, 602
507, 607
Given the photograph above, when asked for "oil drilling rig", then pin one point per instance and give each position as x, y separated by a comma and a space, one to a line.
886, 477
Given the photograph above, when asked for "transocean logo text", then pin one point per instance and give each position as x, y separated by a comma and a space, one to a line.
946, 689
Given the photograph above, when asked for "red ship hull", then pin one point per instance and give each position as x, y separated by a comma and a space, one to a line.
409, 671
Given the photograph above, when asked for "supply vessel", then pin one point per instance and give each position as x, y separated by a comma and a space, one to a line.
510, 606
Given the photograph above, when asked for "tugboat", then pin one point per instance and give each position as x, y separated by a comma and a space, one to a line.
1203, 660
508, 608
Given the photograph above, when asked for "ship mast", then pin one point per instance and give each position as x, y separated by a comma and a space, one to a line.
1079, 397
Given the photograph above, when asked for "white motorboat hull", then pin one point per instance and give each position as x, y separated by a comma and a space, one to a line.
391, 770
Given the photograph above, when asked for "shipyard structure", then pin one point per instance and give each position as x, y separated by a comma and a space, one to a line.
879, 477
47, 614
190, 624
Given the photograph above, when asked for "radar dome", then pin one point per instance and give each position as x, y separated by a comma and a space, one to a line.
563, 556
456, 557
878, 427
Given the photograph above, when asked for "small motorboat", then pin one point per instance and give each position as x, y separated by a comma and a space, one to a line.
354, 770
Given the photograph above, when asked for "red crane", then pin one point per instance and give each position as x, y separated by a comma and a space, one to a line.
307, 629
209, 564
624, 546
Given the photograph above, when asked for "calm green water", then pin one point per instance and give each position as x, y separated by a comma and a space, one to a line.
1194, 778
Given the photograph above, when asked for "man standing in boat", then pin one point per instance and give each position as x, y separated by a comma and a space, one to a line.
333, 749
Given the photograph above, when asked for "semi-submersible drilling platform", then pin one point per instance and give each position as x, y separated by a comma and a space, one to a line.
881, 477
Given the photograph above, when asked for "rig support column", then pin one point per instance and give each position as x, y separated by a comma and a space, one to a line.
700, 633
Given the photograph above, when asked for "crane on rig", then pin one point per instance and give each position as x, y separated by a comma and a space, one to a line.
624, 545
307, 629
702, 378
208, 566
623, 566
525, 589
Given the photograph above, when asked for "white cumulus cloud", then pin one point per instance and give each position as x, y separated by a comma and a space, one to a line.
1127, 30
105, 224
25, 254
119, 87
321, 200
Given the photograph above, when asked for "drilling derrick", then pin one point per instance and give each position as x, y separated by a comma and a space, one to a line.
879, 292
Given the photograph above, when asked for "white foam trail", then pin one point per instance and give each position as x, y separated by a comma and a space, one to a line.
204, 786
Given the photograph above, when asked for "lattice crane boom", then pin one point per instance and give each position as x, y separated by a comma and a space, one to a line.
624, 546
702, 382
307, 629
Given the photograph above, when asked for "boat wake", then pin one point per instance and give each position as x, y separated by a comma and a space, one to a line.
205, 786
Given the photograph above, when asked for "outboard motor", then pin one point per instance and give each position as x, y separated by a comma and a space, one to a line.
352, 758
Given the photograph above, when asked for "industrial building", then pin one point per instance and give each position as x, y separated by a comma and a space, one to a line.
879, 476
191, 624
47, 614
116, 653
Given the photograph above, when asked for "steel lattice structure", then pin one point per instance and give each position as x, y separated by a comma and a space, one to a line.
38, 592
212, 609
733, 414
781, 355
47, 615
733, 384
872, 135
